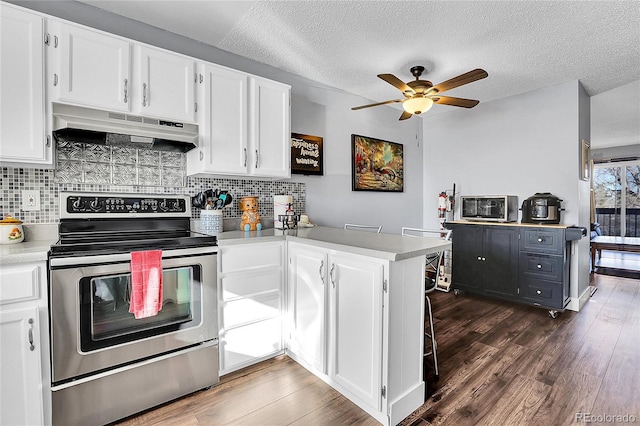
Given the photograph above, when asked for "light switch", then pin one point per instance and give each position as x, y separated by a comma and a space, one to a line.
30, 199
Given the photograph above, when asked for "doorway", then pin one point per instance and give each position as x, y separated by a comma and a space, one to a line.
616, 196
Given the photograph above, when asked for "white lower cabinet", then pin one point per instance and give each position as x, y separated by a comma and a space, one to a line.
250, 301
23, 345
355, 308
356, 322
306, 305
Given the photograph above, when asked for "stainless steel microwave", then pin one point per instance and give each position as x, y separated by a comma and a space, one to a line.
494, 208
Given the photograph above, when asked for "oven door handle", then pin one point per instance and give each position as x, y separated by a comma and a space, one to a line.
126, 257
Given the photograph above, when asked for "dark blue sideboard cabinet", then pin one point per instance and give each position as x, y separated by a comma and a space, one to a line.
519, 262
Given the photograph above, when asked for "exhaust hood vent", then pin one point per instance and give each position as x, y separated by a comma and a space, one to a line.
86, 125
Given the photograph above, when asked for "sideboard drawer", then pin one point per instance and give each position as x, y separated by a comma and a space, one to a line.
542, 240
541, 266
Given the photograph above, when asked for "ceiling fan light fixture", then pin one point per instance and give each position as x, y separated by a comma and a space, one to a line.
417, 105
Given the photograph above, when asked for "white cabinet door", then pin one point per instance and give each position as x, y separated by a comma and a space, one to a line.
20, 387
250, 303
223, 123
92, 69
23, 136
270, 133
356, 326
165, 84
247, 125
306, 304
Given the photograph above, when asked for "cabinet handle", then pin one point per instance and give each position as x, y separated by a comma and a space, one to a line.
55, 79
320, 271
31, 346
257, 158
479, 258
333, 280
144, 94
126, 90
46, 39
245, 157
48, 141
201, 155
201, 79
540, 239
484, 258
539, 266
538, 292
55, 41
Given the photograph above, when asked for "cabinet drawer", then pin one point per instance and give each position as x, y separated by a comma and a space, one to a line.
246, 284
250, 310
542, 240
546, 293
19, 283
246, 345
242, 258
541, 266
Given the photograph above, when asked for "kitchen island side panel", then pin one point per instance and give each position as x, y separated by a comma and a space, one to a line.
404, 332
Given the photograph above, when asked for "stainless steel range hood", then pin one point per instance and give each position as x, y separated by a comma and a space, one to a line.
79, 124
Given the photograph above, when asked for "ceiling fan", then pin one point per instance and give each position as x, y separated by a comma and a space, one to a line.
420, 95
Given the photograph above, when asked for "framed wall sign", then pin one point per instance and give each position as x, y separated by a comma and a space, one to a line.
306, 154
376, 165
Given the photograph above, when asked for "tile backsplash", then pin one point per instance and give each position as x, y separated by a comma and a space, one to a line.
96, 168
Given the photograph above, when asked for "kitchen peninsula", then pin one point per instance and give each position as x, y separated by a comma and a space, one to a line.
351, 312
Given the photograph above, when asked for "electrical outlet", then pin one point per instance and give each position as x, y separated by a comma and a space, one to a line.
30, 200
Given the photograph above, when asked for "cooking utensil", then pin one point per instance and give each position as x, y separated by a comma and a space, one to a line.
199, 200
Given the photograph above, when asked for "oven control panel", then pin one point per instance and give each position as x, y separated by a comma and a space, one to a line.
101, 205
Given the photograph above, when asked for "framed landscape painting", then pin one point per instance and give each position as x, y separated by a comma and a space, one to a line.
376, 165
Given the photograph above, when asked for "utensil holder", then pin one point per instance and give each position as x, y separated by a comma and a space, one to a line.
211, 221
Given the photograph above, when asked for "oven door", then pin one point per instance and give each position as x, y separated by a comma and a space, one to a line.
92, 329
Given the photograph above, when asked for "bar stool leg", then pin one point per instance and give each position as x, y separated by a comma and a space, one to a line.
432, 337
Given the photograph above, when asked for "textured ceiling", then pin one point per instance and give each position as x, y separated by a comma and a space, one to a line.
523, 45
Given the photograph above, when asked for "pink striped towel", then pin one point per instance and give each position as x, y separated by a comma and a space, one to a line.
146, 283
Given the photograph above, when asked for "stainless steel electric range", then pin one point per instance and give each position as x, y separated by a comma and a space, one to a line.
106, 363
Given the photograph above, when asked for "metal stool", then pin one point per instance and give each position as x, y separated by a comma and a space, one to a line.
432, 269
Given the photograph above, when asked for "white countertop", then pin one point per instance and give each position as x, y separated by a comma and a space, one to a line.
391, 247
382, 246
28, 251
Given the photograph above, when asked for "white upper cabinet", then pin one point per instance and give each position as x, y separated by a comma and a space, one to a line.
166, 84
223, 116
246, 122
23, 137
102, 71
91, 68
270, 128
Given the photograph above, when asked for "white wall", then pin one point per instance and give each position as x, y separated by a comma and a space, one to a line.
518, 145
330, 200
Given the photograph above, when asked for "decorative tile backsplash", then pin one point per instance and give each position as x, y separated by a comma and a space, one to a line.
102, 164
97, 168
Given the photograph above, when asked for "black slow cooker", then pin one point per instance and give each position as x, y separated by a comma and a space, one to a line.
542, 208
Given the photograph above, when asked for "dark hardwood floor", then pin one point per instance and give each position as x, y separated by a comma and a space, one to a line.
500, 364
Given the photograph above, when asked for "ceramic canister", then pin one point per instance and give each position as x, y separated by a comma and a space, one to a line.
11, 231
211, 221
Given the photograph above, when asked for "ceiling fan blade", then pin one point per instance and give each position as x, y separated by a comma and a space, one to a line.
405, 115
397, 83
376, 104
459, 102
466, 78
